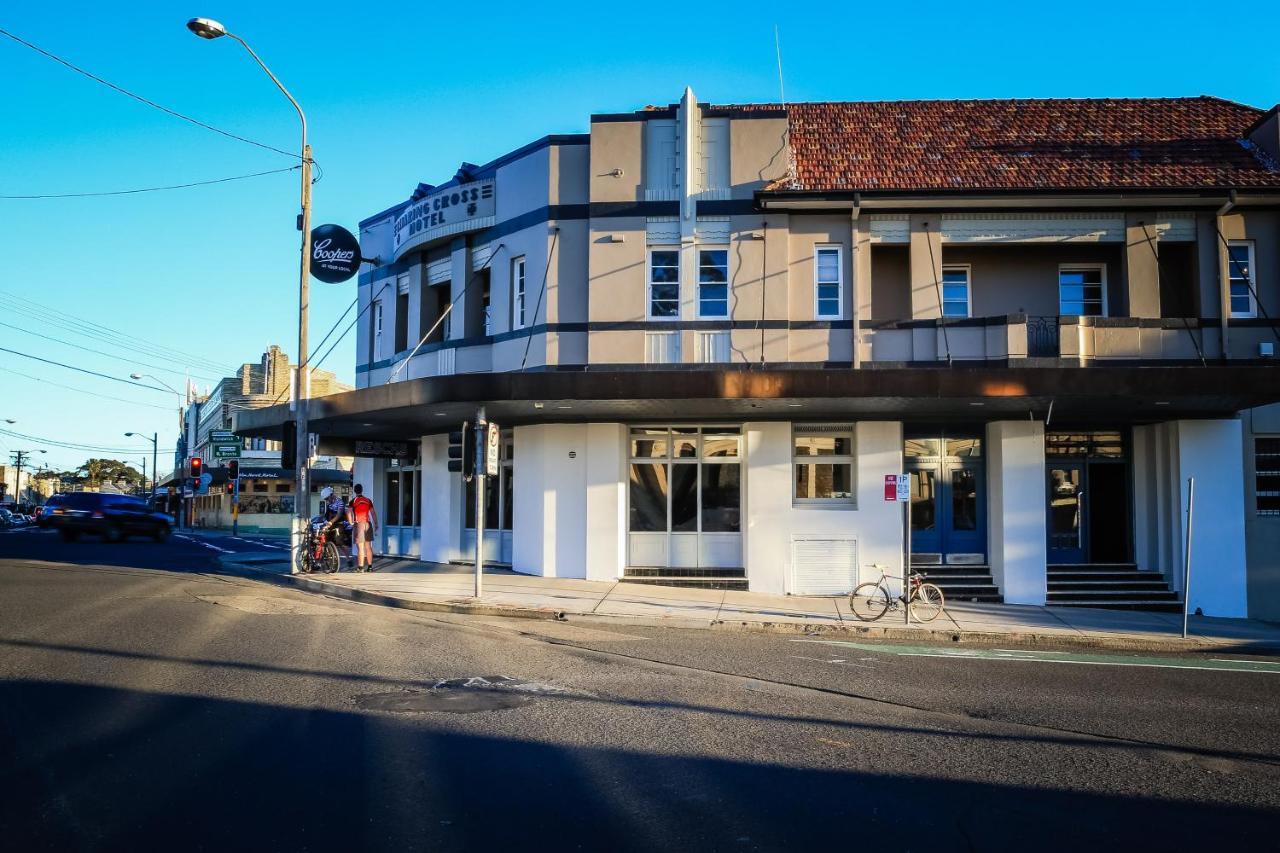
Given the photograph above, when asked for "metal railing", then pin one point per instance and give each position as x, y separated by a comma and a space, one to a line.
1042, 337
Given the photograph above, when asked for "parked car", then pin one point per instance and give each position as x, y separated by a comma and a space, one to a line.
113, 517
43, 513
6, 519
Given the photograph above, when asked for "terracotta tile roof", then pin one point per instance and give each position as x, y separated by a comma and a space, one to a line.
1026, 144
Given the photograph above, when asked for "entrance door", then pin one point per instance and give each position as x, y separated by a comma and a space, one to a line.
947, 498
1066, 512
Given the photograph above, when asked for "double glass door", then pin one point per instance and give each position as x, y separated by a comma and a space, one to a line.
948, 501
499, 508
401, 511
1087, 496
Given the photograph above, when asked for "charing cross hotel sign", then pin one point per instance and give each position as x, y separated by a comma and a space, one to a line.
454, 210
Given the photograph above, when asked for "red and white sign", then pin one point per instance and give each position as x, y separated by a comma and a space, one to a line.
897, 488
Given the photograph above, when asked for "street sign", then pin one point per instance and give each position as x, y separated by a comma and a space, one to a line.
897, 488
224, 443
492, 444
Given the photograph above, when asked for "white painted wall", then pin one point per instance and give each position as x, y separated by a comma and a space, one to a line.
1016, 525
1211, 451
606, 476
550, 519
772, 519
441, 498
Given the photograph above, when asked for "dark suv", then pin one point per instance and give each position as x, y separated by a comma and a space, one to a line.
113, 517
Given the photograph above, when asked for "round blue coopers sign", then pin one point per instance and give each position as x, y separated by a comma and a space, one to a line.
335, 253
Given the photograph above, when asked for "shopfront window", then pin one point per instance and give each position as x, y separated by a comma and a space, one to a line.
499, 492
685, 479
822, 458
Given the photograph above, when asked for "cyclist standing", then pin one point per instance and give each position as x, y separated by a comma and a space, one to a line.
365, 520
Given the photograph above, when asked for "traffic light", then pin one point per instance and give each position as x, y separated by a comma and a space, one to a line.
233, 469
462, 457
289, 445
197, 467
231, 488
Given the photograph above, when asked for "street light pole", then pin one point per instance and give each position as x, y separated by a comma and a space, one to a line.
209, 29
155, 446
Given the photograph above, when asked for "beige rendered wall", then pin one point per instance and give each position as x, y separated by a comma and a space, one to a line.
890, 283
616, 145
758, 154
1024, 279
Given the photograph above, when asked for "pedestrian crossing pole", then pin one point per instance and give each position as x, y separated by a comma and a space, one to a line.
481, 429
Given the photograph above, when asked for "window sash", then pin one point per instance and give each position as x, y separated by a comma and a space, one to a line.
1082, 291
823, 454
713, 282
664, 283
517, 286
956, 292
828, 281
1240, 275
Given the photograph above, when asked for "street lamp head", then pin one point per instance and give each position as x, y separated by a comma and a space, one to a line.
135, 375
128, 435
10, 421
206, 28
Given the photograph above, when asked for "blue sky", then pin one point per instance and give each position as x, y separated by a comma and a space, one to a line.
398, 93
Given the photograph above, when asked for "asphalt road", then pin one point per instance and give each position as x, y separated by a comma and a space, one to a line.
149, 701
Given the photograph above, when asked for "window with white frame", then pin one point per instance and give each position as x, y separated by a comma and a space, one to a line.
955, 291
517, 293
1082, 291
664, 283
828, 292
1266, 474
713, 283
1242, 278
377, 329
822, 459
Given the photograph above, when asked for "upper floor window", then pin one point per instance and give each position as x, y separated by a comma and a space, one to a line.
713, 282
664, 284
828, 290
713, 154
660, 158
955, 291
1082, 291
1241, 276
822, 458
1266, 474
517, 294
377, 329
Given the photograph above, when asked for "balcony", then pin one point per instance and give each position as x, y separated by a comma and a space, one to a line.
1021, 337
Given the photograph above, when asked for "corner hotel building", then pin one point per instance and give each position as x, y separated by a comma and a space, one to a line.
709, 332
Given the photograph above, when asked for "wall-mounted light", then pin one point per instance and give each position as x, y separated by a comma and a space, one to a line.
616, 173
617, 238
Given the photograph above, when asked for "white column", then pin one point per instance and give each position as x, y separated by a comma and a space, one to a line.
766, 547
550, 536
1017, 540
1212, 451
606, 497
442, 497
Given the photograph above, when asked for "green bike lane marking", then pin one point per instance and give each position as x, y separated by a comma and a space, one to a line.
1083, 658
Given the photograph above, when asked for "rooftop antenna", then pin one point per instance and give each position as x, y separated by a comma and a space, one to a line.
777, 46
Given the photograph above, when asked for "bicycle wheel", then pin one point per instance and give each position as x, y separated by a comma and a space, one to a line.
926, 603
330, 561
302, 558
869, 601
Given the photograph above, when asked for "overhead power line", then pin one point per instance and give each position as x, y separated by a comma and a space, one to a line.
106, 334
44, 381
152, 189
72, 445
147, 101
84, 370
162, 368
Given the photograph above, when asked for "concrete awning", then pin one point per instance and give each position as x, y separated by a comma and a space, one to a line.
968, 392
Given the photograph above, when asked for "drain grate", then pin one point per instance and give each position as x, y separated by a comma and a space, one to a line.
461, 696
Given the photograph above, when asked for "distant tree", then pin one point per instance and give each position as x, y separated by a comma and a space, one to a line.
95, 472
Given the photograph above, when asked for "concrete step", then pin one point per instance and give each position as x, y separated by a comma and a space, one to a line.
1149, 606
1101, 586
667, 572
691, 583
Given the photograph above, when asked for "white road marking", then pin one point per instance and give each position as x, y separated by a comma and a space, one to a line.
824, 660
1084, 662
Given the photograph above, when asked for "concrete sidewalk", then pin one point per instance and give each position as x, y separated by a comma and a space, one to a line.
430, 586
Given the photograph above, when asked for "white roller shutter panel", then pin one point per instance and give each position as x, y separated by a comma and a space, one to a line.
824, 565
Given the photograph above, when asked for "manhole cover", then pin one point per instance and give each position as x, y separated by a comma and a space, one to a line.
461, 695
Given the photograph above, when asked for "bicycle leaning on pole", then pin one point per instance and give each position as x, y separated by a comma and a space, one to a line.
872, 600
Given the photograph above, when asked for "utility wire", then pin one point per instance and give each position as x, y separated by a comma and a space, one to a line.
1243, 271
71, 444
152, 189
104, 334
555, 237
44, 381
83, 370
937, 286
147, 101
161, 368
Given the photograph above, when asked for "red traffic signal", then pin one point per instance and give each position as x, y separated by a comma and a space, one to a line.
233, 469
197, 467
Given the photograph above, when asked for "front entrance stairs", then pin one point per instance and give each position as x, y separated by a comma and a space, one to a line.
960, 582
1113, 586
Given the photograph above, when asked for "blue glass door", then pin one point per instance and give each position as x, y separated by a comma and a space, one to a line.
1066, 512
948, 499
